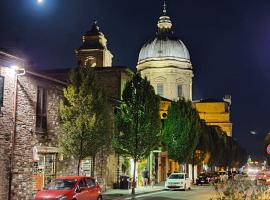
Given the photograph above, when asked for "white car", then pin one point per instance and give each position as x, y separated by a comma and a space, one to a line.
178, 181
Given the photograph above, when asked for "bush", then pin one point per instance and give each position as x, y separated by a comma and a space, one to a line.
241, 189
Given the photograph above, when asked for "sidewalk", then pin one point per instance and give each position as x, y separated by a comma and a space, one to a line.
120, 194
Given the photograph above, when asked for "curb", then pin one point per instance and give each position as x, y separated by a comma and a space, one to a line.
127, 196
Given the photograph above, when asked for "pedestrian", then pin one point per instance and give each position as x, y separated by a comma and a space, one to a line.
145, 177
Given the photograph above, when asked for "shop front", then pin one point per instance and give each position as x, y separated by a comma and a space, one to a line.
44, 166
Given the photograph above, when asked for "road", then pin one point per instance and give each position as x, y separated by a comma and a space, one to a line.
197, 193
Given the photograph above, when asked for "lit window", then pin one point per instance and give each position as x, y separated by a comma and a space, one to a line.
41, 122
1, 91
160, 89
179, 91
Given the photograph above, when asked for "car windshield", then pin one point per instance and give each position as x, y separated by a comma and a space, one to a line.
176, 176
61, 184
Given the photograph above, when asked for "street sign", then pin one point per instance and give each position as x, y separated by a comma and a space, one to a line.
268, 149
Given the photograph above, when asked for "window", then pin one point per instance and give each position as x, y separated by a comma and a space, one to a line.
41, 122
90, 62
82, 183
160, 89
179, 91
1, 91
90, 182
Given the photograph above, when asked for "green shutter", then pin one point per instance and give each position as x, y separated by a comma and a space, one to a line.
1, 90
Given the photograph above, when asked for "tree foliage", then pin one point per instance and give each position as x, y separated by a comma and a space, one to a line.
181, 131
137, 120
85, 117
225, 151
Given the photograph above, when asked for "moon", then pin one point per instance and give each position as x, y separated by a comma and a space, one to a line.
40, 1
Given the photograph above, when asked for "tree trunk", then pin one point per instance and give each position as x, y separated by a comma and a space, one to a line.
134, 178
78, 166
93, 165
80, 157
193, 160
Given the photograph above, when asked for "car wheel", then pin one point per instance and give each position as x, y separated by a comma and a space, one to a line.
99, 198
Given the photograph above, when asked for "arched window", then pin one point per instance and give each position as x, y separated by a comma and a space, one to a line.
160, 89
179, 91
90, 62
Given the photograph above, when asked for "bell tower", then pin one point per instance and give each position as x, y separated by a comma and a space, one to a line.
93, 52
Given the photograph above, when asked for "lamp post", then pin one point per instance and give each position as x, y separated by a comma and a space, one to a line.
19, 71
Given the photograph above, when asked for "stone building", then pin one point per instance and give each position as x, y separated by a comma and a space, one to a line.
28, 127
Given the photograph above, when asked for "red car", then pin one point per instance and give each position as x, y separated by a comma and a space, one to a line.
71, 188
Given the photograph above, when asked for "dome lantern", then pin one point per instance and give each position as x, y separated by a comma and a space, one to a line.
164, 21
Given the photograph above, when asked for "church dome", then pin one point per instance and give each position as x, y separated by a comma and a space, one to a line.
164, 45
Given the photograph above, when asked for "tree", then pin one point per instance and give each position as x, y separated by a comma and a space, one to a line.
137, 121
218, 146
84, 117
181, 131
203, 148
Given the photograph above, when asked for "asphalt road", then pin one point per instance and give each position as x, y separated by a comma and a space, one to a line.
197, 193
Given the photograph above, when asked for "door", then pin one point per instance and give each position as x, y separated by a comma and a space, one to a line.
163, 174
83, 194
93, 189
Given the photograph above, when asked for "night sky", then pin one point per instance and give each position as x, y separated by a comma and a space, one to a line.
229, 43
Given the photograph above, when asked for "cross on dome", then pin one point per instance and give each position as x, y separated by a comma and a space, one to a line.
164, 21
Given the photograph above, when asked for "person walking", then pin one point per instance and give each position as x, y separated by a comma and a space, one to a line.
145, 177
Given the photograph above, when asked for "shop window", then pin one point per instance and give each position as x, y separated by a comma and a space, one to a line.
41, 120
1, 91
44, 170
160, 89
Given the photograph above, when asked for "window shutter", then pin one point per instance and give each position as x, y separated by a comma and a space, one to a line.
1, 91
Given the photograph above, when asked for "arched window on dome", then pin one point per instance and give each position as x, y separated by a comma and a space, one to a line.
90, 61
179, 91
160, 89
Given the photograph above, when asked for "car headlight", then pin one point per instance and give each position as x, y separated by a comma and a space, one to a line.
63, 197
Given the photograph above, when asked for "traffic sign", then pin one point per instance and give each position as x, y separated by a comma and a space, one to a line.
268, 149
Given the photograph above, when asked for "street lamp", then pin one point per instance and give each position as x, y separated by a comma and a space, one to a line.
18, 71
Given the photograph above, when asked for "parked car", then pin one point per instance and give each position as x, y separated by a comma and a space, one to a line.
202, 179
71, 188
213, 177
178, 181
223, 176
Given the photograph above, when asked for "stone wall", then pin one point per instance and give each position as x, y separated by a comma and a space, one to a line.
6, 128
26, 135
